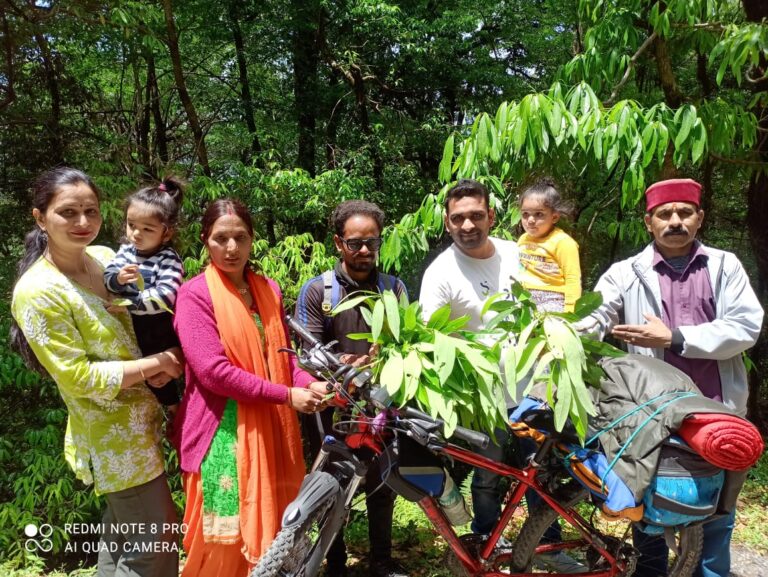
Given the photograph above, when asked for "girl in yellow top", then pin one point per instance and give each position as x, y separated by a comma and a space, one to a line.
549, 258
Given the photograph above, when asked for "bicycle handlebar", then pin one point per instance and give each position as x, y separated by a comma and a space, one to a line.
475, 438
309, 338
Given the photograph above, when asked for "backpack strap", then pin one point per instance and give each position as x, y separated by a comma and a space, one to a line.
385, 282
388, 282
301, 302
329, 280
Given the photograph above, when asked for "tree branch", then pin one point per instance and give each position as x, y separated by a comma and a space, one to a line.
632, 61
739, 161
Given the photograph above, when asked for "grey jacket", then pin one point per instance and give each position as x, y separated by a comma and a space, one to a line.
631, 288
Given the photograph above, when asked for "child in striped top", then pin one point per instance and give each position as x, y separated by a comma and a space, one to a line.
147, 271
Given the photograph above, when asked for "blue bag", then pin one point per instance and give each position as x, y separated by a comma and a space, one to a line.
685, 489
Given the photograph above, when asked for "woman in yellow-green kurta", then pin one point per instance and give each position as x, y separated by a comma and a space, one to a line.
64, 327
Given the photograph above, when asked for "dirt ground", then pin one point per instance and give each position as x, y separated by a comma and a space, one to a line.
747, 563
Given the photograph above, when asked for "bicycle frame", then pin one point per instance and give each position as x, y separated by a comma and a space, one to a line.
477, 564
523, 480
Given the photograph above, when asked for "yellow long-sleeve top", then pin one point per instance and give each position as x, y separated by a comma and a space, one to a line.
551, 264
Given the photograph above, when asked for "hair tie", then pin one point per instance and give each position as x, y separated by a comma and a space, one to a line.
162, 187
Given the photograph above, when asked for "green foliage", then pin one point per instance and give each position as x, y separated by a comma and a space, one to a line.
291, 262
742, 47
36, 486
576, 127
447, 372
548, 349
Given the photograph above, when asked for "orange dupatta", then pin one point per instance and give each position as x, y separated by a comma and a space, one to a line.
270, 462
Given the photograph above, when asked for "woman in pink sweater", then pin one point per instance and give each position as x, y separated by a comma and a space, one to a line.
236, 432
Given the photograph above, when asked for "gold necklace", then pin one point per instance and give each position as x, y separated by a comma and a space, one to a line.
243, 291
87, 269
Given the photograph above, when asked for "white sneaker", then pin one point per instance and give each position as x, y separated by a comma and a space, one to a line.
558, 562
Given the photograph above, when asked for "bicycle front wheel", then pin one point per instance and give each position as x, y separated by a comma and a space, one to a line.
299, 551
608, 547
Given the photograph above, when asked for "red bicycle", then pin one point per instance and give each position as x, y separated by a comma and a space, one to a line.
373, 434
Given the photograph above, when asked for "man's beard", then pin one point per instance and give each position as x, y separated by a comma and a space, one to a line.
361, 266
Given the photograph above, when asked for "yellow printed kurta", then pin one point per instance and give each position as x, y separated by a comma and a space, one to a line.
113, 434
551, 264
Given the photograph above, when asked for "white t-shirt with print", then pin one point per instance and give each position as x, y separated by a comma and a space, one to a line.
465, 282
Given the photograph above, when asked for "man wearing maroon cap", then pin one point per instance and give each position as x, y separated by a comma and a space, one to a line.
692, 306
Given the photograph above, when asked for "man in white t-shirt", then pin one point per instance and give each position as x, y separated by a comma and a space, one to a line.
464, 275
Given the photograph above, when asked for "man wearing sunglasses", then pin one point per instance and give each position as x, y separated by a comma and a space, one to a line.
357, 225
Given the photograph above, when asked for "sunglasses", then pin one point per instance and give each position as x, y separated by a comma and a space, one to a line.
355, 244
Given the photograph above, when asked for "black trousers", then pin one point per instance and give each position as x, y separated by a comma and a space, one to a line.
380, 499
155, 334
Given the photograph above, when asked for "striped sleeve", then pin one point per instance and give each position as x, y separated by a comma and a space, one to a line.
163, 274
124, 257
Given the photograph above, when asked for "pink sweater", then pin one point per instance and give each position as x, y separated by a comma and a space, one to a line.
211, 378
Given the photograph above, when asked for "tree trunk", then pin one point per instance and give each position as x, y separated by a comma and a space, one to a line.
245, 87
143, 113
52, 83
332, 126
161, 138
8, 89
666, 74
757, 217
306, 23
181, 86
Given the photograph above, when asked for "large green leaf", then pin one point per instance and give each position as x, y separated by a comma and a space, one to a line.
392, 312
527, 356
587, 304
392, 373
410, 317
510, 372
445, 356
440, 317
350, 303
444, 171
412, 370
456, 324
377, 323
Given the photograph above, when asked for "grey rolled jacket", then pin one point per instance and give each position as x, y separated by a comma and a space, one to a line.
640, 403
631, 288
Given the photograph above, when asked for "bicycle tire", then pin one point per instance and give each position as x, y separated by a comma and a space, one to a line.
288, 554
689, 539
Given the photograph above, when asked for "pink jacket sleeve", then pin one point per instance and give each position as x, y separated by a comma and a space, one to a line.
196, 327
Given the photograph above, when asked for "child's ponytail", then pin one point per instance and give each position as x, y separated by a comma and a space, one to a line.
164, 198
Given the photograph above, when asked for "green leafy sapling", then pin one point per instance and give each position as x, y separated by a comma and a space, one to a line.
447, 372
545, 347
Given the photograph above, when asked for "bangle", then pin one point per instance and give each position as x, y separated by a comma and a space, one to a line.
141, 371
290, 397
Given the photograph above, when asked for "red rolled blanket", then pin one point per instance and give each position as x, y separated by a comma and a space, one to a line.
726, 441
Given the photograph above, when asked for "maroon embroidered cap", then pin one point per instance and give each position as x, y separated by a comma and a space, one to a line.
673, 190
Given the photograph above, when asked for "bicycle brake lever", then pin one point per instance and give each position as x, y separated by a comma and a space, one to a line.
419, 431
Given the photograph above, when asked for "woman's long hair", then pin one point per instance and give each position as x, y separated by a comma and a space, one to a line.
44, 188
